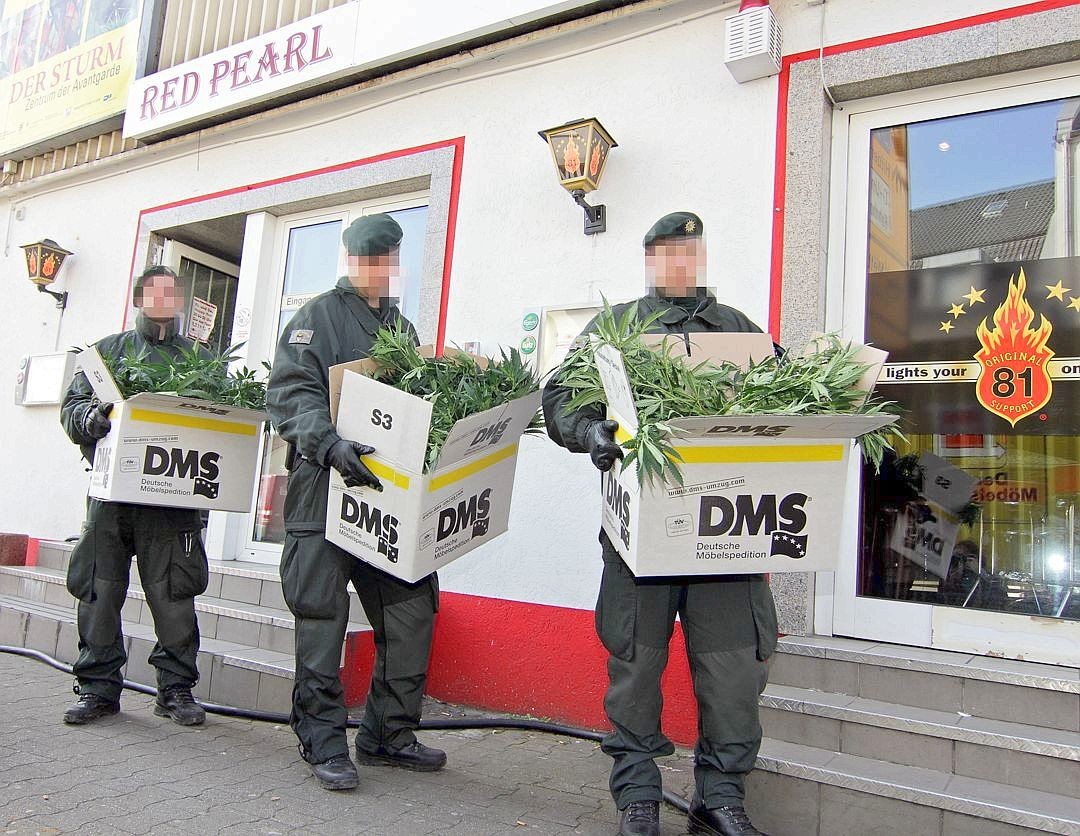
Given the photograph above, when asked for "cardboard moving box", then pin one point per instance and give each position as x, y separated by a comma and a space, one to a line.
171, 451
420, 521
760, 493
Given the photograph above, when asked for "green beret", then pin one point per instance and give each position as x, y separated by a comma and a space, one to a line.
674, 225
372, 235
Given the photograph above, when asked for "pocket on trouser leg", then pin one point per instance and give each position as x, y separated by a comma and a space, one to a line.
766, 623
616, 610
311, 577
188, 571
80, 573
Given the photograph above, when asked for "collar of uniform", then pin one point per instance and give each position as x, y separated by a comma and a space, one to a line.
367, 316
150, 329
673, 314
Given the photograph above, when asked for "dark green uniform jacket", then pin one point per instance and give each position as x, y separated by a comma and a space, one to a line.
336, 327
145, 337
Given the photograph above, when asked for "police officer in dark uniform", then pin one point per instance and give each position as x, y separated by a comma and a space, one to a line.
336, 327
729, 620
167, 542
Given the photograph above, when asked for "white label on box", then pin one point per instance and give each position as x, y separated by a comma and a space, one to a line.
680, 525
130, 464
395, 423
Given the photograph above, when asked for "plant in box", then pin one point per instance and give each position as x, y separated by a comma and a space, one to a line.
456, 384
194, 373
823, 379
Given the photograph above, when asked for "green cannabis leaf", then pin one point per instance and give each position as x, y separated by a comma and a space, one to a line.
191, 374
824, 381
455, 384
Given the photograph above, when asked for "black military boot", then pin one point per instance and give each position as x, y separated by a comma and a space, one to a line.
415, 756
729, 820
336, 773
640, 818
177, 702
88, 708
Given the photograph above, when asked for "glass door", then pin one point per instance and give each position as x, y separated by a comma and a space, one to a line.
211, 288
962, 260
309, 262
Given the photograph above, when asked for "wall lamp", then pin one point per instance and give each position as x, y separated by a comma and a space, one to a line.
43, 261
580, 151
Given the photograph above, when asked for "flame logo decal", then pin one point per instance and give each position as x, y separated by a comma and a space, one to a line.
1013, 379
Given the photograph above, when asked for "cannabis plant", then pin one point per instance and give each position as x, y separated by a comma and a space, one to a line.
191, 374
665, 387
456, 384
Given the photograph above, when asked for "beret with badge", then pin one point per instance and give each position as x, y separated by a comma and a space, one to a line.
674, 225
371, 235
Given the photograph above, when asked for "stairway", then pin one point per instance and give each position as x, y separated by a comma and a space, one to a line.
862, 738
246, 649
870, 738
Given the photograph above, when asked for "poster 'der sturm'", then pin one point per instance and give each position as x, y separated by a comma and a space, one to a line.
981, 348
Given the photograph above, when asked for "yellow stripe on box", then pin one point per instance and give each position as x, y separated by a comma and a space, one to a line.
388, 474
472, 467
197, 422
763, 453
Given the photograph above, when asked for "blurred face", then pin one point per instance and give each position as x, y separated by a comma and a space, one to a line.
375, 277
676, 266
162, 299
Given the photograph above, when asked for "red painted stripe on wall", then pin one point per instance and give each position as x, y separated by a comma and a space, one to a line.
540, 660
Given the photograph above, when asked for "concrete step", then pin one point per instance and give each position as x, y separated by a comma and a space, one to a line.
236, 580
1047, 696
226, 618
806, 791
1020, 754
231, 673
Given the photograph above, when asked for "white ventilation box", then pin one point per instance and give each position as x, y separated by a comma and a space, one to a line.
752, 43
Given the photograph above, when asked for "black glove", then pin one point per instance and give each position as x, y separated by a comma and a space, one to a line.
344, 457
600, 442
96, 423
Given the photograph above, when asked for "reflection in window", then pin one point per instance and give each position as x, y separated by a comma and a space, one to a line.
973, 287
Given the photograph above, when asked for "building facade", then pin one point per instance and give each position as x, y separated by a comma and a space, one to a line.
889, 181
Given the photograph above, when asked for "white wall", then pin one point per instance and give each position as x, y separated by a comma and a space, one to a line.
689, 138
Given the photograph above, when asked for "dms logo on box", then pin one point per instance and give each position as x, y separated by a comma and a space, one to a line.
473, 512
185, 464
489, 435
618, 500
373, 521
748, 429
783, 519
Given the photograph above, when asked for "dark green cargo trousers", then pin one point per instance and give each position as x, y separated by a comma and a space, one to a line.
314, 579
167, 543
729, 624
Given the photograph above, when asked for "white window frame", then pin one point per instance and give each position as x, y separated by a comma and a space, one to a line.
837, 609
263, 338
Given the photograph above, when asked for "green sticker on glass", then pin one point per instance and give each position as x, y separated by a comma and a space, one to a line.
530, 322
528, 345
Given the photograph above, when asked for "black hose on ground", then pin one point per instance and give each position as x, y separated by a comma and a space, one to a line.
676, 801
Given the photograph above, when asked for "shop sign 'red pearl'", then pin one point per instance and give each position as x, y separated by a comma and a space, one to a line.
336, 44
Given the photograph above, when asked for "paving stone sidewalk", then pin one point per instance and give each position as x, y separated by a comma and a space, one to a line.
136, 773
